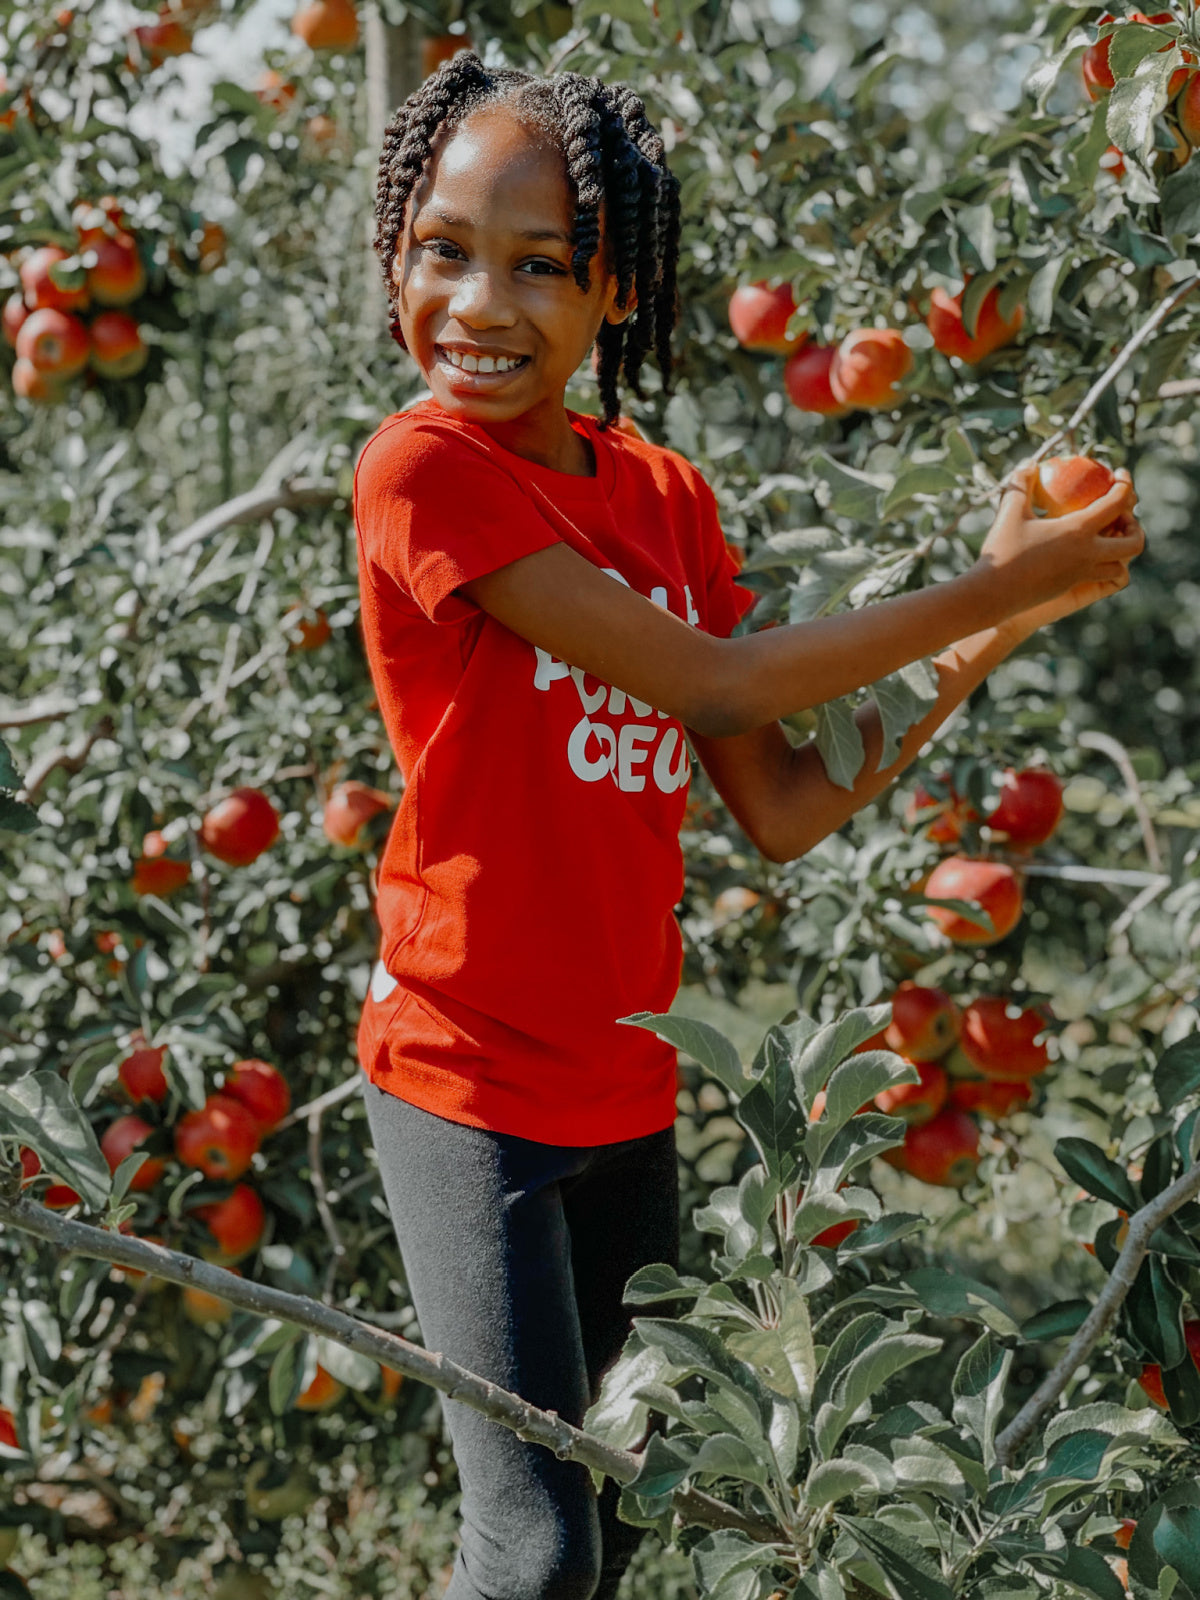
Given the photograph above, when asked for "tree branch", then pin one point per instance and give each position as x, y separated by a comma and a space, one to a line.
256, 503
31, 715
1092, 739
546, 1428
71, 756
1142, 1226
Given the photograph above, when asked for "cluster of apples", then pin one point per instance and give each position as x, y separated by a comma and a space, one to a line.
865, 370
238, 829
978, 1061
1183, 88
1027, 813
69, 317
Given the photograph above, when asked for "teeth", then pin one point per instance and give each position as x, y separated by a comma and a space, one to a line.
469, 363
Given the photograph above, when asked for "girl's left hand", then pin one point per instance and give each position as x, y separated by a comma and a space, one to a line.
1024, 623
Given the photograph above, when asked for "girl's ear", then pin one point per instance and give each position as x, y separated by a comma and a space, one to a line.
617, 314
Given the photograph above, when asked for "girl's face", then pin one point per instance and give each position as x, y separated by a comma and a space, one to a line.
488, 307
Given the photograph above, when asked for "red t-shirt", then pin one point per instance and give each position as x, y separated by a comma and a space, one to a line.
526, 893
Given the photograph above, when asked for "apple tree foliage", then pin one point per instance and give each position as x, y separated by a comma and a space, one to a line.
163, 535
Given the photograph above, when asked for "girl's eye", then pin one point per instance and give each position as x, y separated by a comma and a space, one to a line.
442, 248
541, 268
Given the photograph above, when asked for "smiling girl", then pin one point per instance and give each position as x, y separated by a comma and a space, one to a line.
547, 604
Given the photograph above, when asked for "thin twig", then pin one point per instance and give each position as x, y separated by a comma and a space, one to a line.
71, 757
317, 1168
1142, 1226
1072, 872
331, 1097
528, 1422
1091, 739
32, 715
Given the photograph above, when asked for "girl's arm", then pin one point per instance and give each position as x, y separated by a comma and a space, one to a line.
782, 796
557, 600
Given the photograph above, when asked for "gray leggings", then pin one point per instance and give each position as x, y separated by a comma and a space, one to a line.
517, 1255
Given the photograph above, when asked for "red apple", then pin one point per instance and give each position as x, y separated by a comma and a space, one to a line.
350, 806
944, 1151
991, 885
262, 1089
806, 379
925, 1022
236, 1223
945, 323
240, 827
42, 289
118, 349
141, 1073
998, 1038
219, 1139
1030, 806
55, 342
759, 317
990, 1097
916, 1102
1069, 483
869, 365
121, 1139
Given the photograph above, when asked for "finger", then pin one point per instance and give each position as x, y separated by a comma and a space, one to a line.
1096, 517
1123, 546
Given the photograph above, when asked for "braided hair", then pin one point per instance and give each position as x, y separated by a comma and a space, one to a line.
614, 156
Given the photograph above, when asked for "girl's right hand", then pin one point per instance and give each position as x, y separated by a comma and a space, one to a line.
1030, 561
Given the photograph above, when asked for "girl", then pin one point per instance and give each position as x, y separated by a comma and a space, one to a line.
547, 603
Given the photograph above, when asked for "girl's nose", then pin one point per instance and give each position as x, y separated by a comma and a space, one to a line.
476, 300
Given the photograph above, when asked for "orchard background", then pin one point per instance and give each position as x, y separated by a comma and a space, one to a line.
178, 594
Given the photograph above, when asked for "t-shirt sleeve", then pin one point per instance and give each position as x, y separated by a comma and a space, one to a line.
433, 512
727, 600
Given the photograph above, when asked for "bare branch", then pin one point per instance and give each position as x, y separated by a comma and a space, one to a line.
71, 757
31, 715
546, 1428
331, 1097
1142, 1226
256, 503
1091, 739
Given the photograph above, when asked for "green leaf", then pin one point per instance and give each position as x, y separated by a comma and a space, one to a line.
660, 1282
720, 1557
1154, 1308
1177, 1073
38, 1111
286, 1375
125, 1174
1177, 1541
853, 1086
840, 743
951, 1294
858, 1142
16, 816
701, 1041
909, 1569
830, 1045
1133, 105
1088, 1571
783, 1355
618, 1416
348, 1366
903, 698
1103, 1416
978, 1390
879, 1235
863, 1357
1057, 1321
1093, 1171
773, 1119
922, 1464
732, 1457
927, 479
664, 1467
852, 493
830, 1481
10, 778
686, 1346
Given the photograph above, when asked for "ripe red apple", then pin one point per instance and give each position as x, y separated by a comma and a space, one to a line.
916, 1102
350, 806
161, 877
990, 1097
120, 1139
8, 1429
1069, 483
991, 885
327, 25
869, 365
1123, 1537
219, 1139
806, 379
14, 314
55, 342
239, 828
759, 317
1097, 74
30, 384
141, 1073
118, 349
42, 290
945, 323
951, 813
117, 275
944, 1151
1150, 1376
262, 1089
925, 1022
153, 42
324, 1391
1030, 806
998, 1038
1187, 109
314, 630
236, 1223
